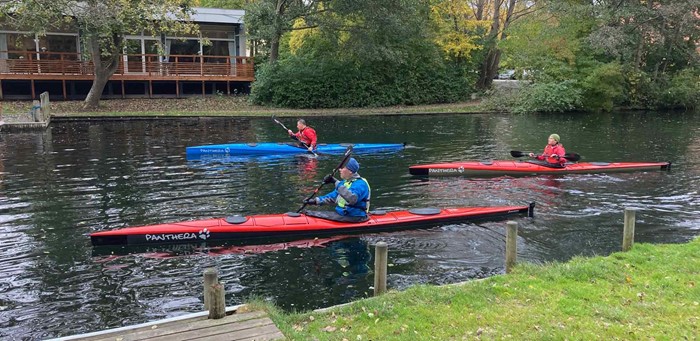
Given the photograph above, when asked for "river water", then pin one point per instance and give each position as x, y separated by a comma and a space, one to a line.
79, 177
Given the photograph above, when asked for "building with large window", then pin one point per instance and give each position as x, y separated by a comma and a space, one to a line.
215, 62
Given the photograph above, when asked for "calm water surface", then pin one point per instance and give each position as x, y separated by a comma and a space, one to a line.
80, 177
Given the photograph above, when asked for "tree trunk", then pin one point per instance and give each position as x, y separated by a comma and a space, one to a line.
104, 69
275, 41
274, 49
92, 101
479, 11
489, 67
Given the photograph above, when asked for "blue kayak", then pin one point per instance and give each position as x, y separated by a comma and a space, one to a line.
272, 148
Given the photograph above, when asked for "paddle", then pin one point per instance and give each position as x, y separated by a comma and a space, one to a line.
569, 156
294, 137
340, 165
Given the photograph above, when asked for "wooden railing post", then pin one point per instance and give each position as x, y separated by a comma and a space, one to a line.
628, 231
211, 277
380, 264
511, 245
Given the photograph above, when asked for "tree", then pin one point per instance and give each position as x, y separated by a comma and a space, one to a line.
230, 4
103, 26
503, 14
457, 31
268, 20
362, 53
653, 36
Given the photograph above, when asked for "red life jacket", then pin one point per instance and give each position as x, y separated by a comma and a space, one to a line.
549, 150
308, 136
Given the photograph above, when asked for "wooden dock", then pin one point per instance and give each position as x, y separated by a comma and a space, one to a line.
15, 127
238, 326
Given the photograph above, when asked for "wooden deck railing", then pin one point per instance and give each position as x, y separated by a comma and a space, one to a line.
62, 65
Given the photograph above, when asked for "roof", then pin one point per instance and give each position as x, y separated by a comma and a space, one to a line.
217, 15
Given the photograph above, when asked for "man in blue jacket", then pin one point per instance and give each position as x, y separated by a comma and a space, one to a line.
351, 196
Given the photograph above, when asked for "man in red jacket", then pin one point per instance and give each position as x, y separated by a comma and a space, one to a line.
553, 151
306, 135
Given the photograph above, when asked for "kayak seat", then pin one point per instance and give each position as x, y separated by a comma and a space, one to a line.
236, 219
425, 211
293, 214
346, 144
545, 164
333, 216
321, 144
600, 163
486, 162
251, 144
377, 212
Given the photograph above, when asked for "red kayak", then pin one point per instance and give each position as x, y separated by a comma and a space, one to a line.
530, 167
275, 226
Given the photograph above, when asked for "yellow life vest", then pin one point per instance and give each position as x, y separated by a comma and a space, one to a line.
342, 202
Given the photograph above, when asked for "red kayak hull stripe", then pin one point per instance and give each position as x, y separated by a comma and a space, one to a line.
525, 167
283, 225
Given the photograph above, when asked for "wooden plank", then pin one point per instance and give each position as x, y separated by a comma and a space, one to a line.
269, 332
201, 331
115, 331
167, 330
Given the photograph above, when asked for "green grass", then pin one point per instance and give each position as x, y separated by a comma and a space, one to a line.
648, 293
220, 106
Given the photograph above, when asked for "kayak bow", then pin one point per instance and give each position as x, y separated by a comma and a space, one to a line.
275, 226
530, 167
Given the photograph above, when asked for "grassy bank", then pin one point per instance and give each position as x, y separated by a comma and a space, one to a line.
219, 106
648, 293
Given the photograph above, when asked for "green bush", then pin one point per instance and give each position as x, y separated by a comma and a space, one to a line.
549, 97
307, 82
683, 91
603, 87
641, 91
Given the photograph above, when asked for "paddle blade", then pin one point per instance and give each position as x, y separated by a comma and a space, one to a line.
346, 157
572, 157
517, 153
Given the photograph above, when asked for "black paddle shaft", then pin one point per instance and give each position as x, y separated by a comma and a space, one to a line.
340, 165
569, 156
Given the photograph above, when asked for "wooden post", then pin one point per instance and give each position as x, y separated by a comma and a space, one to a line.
211, 277
628, 232
511, 245
45, 106
217, 301
380, 264
35, 111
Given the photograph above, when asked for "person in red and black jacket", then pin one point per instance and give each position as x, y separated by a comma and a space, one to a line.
306, 135
553, 151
